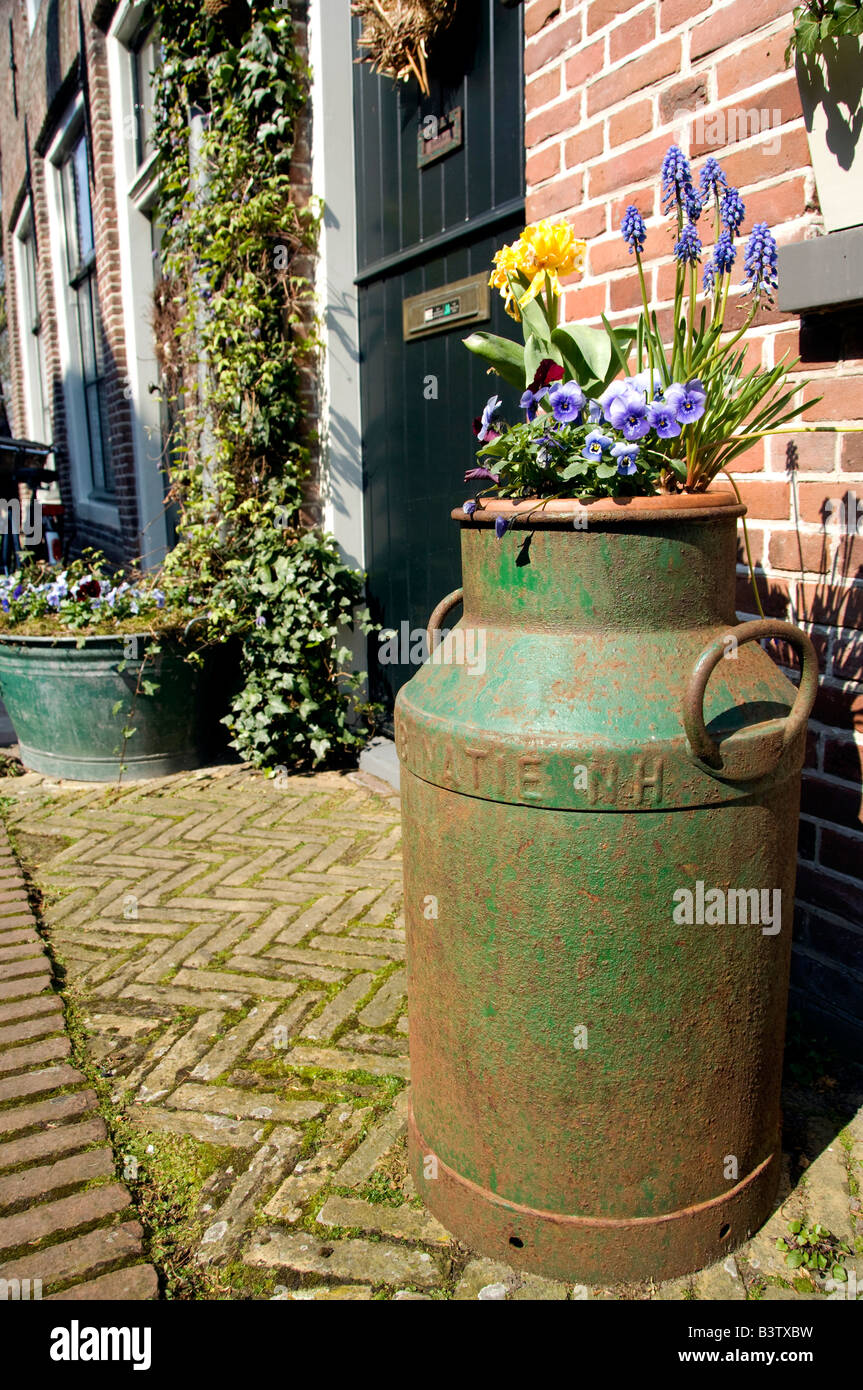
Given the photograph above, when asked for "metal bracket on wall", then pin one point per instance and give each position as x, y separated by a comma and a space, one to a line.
821, 273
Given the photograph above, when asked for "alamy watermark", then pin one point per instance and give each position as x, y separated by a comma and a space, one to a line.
718, 907
25, 522
20, 1290
458, 646
736, 123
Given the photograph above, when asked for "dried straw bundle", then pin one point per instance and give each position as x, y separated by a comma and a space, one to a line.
396, 32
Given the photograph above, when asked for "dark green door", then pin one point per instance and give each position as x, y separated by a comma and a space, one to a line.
420, 228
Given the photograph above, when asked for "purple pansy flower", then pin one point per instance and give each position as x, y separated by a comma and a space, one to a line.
529, 402
611, 393
482, 427
473, 473
626, 454
596, 444
663, 419
546, 374
567, 403
500, 526
628, 413
594, 412
469, 507
688, 402
641, 382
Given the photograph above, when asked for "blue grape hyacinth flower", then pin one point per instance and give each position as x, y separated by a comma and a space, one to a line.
722, 260
732, 210
633, 230
712, 180
676, 178
759, 261
688, 248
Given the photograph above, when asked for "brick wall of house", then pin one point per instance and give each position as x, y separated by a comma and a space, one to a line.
46, 82
304, 265
610, 84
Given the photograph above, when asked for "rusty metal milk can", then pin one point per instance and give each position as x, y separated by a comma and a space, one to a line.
600, 790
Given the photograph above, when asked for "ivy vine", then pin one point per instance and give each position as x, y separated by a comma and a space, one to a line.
234, 329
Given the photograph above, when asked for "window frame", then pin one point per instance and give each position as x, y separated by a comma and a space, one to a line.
138, 186
93, 501
82, 281
39, 416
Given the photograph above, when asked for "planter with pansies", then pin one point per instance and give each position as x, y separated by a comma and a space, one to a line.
100, 675
600, 817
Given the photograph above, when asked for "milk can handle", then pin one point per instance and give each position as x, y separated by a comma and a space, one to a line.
437, 617
700, 742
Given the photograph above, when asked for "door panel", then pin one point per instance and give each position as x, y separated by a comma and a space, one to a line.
416, 445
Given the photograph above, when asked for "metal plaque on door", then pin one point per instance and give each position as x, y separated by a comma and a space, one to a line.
459, 303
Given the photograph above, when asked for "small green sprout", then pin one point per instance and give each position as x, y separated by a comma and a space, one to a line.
815, 1249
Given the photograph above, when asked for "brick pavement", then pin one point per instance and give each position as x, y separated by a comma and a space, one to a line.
67, 1228
236, 948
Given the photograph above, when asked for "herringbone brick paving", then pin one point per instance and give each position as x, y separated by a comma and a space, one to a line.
237, 947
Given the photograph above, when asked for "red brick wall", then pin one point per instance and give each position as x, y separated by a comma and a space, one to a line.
44, 59
610, 84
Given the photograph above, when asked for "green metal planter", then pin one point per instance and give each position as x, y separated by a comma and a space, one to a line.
600, 824
61, 700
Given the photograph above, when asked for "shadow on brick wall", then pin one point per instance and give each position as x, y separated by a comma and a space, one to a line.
827, 967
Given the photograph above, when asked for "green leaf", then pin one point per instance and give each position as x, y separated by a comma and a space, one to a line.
840, 1274
588, 348
794, 1260
115, 708
795, 1227
619, 345
533, 320
575, 470
503, 356
535, 352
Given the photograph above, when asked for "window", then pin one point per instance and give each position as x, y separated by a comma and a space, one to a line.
32, 342
145, 55
85, 319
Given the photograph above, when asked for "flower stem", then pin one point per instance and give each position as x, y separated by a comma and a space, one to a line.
646, 321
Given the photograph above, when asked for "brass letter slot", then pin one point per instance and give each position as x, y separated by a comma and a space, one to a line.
434, 311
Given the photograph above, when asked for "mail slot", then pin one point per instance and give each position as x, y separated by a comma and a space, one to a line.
434, 311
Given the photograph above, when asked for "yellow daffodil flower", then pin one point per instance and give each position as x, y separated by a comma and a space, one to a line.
543, 249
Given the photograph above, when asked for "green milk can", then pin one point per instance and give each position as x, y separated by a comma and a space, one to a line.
600, 792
